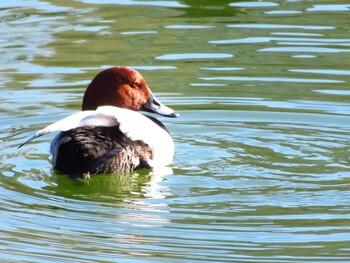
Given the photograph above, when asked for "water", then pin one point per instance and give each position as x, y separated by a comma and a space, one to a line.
261, 172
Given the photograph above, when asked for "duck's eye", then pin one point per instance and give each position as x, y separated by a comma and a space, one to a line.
135, 85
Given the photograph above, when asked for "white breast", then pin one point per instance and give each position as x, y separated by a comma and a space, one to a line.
138, 127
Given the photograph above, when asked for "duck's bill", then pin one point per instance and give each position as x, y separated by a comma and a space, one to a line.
155, 106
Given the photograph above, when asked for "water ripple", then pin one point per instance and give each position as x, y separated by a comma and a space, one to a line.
254, 4
193, 56
279, 26
304, 49
329, 8
272, 79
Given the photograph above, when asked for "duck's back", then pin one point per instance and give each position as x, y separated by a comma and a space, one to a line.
98, 149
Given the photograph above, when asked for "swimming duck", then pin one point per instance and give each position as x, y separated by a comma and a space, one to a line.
108, 135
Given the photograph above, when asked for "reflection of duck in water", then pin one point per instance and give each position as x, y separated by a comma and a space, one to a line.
108, 136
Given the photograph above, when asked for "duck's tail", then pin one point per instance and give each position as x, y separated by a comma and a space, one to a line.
29, 140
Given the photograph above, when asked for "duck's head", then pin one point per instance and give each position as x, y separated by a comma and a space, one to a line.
125, 88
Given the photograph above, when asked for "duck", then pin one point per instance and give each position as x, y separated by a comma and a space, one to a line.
109, 135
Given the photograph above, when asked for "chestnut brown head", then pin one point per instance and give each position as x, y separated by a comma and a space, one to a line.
125, 88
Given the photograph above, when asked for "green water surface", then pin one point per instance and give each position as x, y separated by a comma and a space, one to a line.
261, 171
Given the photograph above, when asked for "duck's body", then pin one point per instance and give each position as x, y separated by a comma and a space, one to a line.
110, 139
